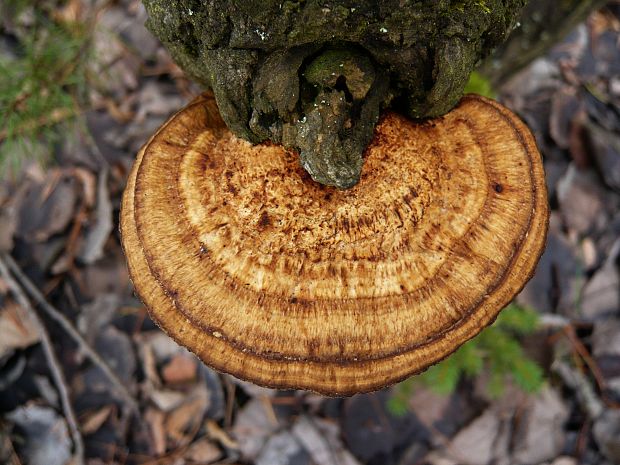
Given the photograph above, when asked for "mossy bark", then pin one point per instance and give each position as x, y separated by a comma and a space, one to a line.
314, 75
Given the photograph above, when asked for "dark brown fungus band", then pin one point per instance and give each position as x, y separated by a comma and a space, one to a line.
276, 279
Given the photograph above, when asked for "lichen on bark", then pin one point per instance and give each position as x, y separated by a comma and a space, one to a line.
314, 74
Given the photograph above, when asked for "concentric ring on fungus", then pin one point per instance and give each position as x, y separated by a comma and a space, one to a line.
273, 278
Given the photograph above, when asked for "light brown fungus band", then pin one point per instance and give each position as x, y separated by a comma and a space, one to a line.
266, 275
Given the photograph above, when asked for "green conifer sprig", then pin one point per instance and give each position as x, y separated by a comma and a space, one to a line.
497, 350
41, 85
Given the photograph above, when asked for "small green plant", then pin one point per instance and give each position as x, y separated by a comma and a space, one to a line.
41, 84
479, 84
496, 349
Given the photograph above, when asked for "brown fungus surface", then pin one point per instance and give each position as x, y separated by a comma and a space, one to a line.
281, 281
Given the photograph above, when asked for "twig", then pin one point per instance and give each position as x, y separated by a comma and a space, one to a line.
66, 324
52, 360
569, 331
582, 351
566, 328
552, 321
269, 411
230, 401
581, 385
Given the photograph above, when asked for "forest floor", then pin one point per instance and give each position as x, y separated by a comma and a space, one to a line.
60, 247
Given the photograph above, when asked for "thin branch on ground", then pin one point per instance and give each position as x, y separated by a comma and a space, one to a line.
552, 321
570, 333
582, 351
68, 326
230, 402
52, 361
566, 328
577, 381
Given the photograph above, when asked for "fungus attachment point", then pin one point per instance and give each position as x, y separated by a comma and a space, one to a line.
281, 281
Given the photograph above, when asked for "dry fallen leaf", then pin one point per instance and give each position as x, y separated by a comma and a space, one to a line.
45, 434
72, 12
182, 423
281, 449
16, 329
94, 420
215, 432
181, 369
253, 426
149, 365
155, 420
320, 439
166, 400
204, 452
103, 225
89, 182
48, 208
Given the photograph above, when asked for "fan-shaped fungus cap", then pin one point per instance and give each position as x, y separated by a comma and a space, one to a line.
281, 281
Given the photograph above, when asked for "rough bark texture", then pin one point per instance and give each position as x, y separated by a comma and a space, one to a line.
314, 74
543, 23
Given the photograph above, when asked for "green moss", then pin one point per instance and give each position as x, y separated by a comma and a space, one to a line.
463, 4
478, 84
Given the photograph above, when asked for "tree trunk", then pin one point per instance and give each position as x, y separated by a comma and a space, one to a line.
314, 75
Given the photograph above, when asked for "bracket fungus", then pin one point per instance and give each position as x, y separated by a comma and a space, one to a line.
276, 279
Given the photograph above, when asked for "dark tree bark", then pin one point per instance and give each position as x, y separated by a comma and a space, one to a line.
314, 74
